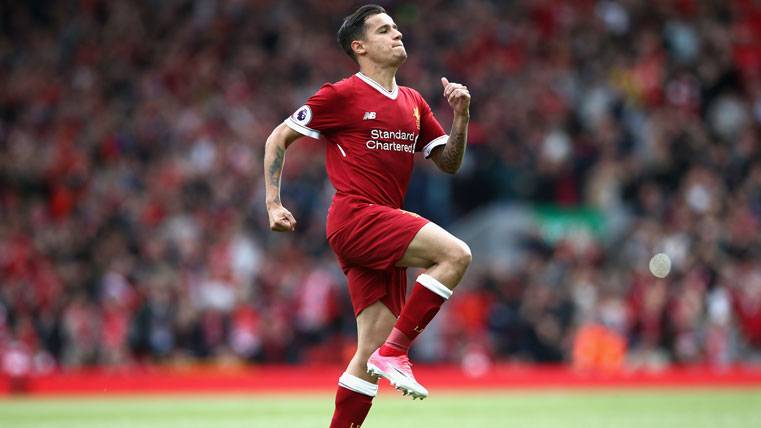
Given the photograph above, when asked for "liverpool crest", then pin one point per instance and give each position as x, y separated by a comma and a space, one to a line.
416, 113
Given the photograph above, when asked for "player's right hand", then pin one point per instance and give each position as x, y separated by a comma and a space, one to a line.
281, 220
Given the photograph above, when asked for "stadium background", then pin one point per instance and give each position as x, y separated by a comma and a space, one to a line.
132, 225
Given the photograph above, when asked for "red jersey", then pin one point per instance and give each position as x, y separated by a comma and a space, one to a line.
371, 134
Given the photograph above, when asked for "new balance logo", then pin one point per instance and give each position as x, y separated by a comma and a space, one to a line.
369, 115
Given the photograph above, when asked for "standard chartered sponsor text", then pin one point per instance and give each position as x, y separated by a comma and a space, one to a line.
376, 134
396, 135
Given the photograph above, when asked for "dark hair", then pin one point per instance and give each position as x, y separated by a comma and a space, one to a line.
353, 27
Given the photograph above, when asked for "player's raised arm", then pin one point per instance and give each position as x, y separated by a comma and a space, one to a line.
281, 220
449, 158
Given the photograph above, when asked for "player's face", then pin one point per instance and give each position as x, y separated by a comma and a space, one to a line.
383, 40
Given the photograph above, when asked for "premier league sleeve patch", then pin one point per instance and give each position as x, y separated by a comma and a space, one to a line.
299, 121
303, 115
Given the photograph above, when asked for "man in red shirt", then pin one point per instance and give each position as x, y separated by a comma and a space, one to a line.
371, 129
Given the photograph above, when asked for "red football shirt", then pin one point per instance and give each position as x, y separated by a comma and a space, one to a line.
371, 134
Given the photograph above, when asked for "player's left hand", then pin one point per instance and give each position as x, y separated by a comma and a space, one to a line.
457, 96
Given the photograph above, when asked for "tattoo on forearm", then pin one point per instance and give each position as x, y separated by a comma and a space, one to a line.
451, 156
454, 151
273, 173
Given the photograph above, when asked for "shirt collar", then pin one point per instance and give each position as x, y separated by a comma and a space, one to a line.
391, 94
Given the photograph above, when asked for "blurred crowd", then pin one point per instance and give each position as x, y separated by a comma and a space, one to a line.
132, 225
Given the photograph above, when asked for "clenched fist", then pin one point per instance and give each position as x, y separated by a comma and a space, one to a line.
281, 220
457, 96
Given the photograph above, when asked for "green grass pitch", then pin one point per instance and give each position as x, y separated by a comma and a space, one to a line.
651, 408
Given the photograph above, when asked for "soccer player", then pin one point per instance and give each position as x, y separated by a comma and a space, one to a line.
372, 128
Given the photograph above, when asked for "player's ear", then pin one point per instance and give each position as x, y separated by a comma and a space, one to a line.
358, 46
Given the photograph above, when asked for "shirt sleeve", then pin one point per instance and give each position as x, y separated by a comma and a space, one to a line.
432, 134
321, 113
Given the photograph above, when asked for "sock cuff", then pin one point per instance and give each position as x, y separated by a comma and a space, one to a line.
434, 285
358, 385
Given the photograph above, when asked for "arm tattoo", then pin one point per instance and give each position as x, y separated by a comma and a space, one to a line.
454, 151
274, 171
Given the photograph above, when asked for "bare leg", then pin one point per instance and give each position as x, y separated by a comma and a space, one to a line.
374, 324
444, 257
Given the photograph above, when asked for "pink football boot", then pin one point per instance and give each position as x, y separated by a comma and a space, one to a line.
398, 371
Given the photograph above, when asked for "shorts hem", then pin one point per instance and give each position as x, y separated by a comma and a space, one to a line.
381, 299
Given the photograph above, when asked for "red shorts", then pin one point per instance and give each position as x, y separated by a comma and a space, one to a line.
368, 240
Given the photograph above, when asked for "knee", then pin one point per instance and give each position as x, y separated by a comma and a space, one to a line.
460, 255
